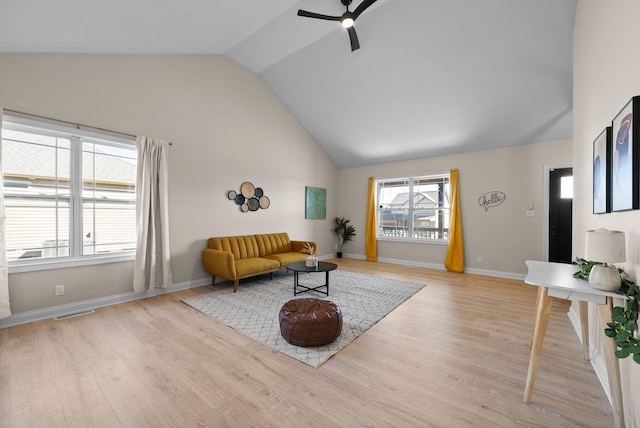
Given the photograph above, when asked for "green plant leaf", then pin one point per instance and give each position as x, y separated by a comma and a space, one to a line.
636, 358
621, 353
617, 311
622, 336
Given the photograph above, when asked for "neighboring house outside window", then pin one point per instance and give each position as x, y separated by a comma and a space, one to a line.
413, 208
69, 195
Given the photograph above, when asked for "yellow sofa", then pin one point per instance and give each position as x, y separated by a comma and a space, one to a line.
239, 257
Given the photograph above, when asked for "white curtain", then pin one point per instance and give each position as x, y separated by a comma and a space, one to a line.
5, 309
152, 266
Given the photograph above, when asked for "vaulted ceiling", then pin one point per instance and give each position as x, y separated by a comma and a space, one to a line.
432, 77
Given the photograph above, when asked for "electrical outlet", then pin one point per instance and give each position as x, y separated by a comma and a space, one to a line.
480, 260
59, 290
531, 213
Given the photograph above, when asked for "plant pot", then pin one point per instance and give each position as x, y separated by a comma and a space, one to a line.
339, 254
311, 261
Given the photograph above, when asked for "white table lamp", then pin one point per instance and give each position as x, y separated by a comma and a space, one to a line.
605, 246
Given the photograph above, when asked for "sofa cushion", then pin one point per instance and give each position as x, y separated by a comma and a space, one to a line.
289, 257
273, 243
255, 266
242, 247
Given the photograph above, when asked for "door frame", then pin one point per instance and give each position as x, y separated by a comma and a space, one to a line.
545, 208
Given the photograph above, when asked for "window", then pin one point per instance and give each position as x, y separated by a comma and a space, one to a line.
69, 194
413, 208
566, 187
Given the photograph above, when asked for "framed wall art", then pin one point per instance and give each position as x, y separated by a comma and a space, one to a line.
601, 172
316, 203
624, 157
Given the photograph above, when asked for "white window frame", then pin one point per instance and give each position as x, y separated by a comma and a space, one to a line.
411, 179
78, 134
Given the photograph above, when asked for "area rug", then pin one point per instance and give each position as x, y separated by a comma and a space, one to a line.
254, 309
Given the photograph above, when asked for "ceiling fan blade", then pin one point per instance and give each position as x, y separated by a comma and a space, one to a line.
355, 44
317, 15
362, 7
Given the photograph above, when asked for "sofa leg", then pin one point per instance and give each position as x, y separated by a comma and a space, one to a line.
235, 285
213, 280
271, 275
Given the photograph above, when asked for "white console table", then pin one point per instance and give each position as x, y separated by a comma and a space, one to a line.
556, 280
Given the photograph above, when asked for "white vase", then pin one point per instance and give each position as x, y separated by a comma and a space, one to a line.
605, 277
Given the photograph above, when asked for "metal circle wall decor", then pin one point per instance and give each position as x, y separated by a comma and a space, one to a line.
249, 198
253, 204
264, 202
247, 189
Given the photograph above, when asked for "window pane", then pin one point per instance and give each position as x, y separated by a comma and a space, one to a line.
566, 187
431, 208
393, 208
108, 227
36, 228
35, 164
109, 169
108, 190
36, 172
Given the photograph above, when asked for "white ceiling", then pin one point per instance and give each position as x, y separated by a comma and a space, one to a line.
432, 77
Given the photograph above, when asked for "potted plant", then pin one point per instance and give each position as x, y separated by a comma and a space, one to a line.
312, 258
624, 326
344, 231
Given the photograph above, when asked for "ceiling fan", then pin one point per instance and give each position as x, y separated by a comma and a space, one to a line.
347, 19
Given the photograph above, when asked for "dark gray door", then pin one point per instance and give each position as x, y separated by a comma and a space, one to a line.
560, 219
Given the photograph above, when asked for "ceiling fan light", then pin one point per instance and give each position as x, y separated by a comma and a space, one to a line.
347, 22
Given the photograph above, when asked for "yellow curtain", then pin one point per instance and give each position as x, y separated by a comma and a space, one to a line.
371, 229
455, 256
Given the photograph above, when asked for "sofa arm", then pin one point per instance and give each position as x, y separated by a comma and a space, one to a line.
299, 245
219, 263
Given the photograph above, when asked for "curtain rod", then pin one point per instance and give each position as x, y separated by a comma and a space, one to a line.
72, 124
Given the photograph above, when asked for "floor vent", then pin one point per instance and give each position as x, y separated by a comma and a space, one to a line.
73, 314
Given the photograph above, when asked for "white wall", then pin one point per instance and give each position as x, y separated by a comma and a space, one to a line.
226, 126
503, 236
606, 76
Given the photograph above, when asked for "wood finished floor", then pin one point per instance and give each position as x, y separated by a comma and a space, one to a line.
453, 355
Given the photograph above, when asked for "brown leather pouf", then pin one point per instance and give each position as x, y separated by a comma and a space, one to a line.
310, 322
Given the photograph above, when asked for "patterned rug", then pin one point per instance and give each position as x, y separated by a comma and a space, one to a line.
253, 310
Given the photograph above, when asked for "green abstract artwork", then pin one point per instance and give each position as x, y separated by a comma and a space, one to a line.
316, 206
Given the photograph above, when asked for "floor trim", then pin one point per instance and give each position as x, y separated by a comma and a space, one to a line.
85, 305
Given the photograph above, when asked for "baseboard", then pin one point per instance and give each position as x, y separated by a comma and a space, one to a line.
56, 311
485, 272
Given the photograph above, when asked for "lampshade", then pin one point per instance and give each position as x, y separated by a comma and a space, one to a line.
605, 246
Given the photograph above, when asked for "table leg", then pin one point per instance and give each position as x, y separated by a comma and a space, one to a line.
326, 281
533, 326
613, 365
543, 308
584, 328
